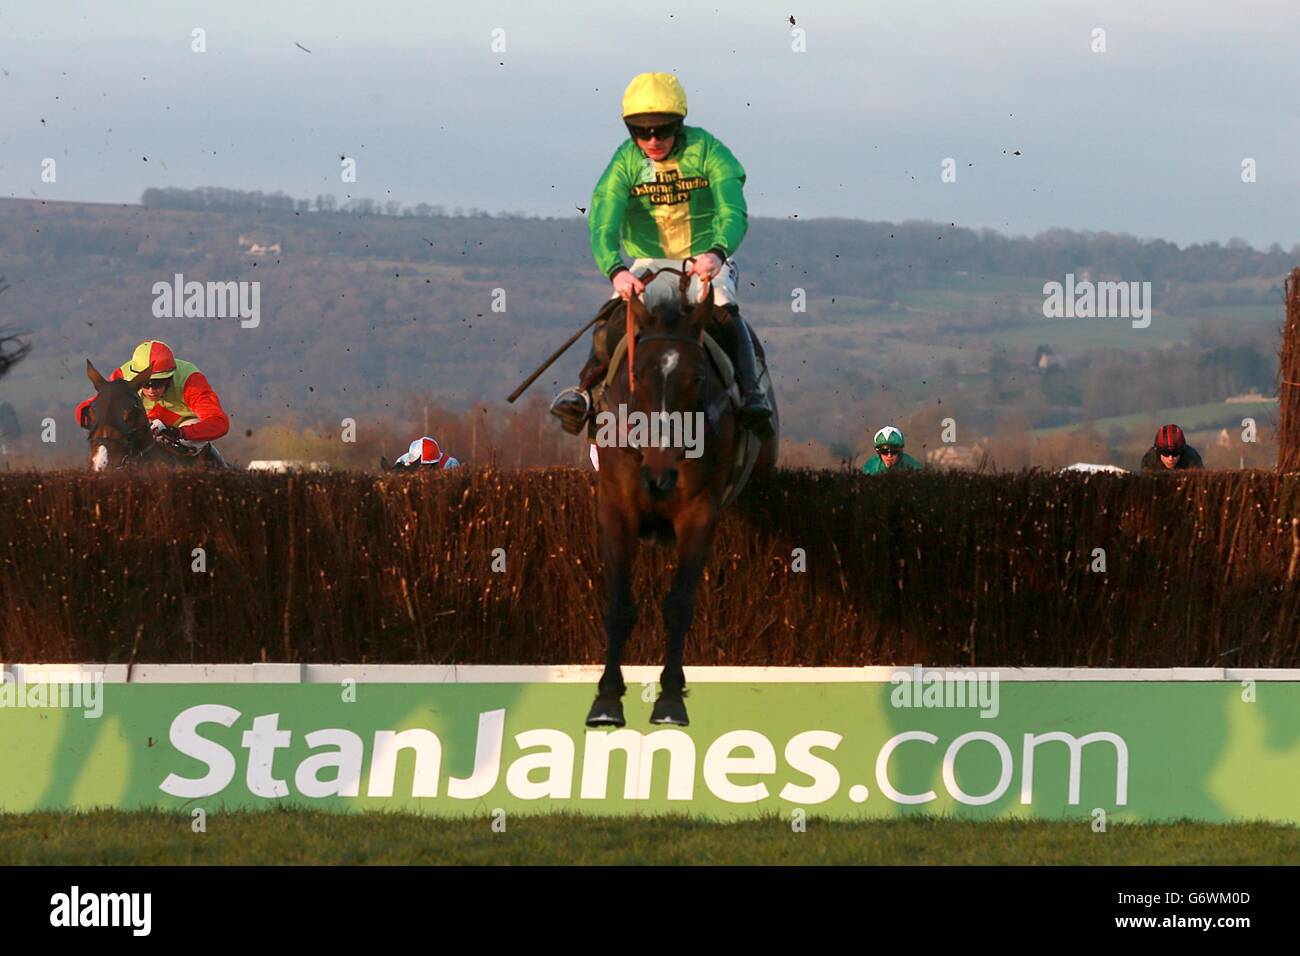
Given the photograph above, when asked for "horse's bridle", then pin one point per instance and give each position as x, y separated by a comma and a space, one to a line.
714, 409
668, 337
104, 441
683, 283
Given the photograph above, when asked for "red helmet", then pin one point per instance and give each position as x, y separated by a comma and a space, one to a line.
1170, 439
153, 355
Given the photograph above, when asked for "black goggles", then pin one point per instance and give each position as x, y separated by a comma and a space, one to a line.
661, 132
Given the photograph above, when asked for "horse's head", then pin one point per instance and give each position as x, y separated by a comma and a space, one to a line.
116, 419
670, 390
411, 467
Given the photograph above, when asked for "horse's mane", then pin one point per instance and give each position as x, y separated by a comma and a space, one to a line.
668, 317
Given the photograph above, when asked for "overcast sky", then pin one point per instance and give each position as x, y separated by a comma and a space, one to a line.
1146, 138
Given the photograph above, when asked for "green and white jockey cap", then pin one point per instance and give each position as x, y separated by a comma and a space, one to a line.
889, 437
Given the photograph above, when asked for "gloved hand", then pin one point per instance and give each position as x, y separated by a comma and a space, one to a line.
707, 266
165, 431
627, 285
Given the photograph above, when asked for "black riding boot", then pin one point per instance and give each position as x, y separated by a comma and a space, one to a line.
573, 405
734, 337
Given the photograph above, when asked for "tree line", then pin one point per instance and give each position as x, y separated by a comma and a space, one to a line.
218, 199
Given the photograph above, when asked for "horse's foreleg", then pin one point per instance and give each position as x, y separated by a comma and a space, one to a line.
618, 543
694, 538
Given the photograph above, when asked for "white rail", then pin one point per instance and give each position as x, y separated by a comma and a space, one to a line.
589, 673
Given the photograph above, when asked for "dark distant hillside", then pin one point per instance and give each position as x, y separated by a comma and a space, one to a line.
903, 255
363, 307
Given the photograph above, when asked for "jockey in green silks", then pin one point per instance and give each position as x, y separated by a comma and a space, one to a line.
671, 192
889, 454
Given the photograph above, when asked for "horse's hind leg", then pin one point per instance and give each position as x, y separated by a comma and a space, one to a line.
618, 549
694, 536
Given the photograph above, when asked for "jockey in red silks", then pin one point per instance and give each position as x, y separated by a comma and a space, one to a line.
425, 452
180, 402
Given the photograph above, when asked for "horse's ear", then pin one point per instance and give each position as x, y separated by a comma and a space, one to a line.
703, 314
140, 379
96, 379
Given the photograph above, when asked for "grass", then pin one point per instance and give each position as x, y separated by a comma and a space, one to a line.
314, 837
944, 300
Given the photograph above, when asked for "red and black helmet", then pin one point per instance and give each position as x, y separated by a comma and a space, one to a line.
1170, 439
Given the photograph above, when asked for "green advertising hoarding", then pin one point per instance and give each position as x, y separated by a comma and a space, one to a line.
1140, 751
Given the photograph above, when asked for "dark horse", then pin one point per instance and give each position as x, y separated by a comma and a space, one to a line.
120, 433
664, 491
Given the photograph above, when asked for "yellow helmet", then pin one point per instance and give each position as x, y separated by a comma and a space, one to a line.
654, 93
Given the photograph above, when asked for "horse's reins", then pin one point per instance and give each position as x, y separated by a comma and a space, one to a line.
133, 450
683, 284
682, 287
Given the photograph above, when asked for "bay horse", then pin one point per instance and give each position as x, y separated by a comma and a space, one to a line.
120, 433
664, 492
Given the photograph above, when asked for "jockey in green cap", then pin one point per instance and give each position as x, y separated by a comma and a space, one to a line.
890, 454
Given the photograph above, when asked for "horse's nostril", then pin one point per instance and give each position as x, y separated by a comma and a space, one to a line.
658, 485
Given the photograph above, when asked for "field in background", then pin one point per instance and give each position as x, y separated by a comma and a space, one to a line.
392, 321
1192, 418
310, 838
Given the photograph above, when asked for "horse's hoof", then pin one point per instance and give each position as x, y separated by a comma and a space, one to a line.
671, 711
606, 713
